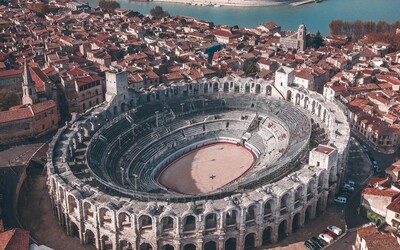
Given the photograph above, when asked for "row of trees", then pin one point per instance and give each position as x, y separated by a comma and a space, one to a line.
358, 29
387, 37
109, 4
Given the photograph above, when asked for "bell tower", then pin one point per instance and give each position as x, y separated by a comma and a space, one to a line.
29, 95
302, 37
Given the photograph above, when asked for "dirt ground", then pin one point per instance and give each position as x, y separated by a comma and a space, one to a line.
207, 169
36, 215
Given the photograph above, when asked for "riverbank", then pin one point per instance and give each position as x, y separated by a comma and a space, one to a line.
232, 3
315, 16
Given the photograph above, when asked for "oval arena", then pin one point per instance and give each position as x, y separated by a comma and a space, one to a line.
224, 163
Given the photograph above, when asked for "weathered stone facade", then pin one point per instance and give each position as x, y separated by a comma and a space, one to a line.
110, 218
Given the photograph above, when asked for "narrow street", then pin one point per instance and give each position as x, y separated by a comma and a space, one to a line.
360, 170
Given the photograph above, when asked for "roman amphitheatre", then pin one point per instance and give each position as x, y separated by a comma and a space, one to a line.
221, 163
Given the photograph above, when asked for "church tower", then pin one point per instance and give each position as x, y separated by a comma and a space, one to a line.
29, 95
301, 37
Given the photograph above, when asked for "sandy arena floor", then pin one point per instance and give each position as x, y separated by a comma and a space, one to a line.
207, 169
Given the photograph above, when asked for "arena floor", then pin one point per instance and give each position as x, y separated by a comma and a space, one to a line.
206, 169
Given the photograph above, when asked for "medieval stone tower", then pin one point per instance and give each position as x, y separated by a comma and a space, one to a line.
29, 95
301, 37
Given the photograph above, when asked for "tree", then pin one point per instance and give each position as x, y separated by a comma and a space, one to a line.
318, 40
39, 8
158, 12
8, 99
335, 27
109, 4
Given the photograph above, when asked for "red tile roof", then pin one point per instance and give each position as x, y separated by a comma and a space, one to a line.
11, 72
40, 107
81, 81
324, 149
376, 240
14, 239
395, 205
380, 192
16, 115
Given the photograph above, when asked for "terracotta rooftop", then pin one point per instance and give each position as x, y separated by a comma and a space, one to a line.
376, 240
14, 239
395, 205
387, 192
42, 106
15, 115
81, 81
324, 149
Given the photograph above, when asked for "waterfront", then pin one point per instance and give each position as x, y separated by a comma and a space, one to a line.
316, 16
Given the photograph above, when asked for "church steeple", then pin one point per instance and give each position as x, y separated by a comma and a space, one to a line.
28, 87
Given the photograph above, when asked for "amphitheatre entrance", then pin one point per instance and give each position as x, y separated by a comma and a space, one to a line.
207, 168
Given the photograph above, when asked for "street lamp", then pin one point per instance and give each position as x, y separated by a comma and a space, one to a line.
156, 118
135, 176
182, 106
122, 175
133, 132
212, 177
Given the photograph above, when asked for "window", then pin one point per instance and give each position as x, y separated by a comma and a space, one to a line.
318, 163
397, 216
43, 127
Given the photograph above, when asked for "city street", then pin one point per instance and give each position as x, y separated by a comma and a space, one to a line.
360, 170
384, 160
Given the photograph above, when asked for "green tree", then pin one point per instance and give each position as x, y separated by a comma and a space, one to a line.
8, 99
39, 8
158, 12
109, 4
318, 40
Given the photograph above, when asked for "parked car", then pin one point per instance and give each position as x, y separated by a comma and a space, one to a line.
378, 170
374, 164
341, 199
365, 147
350, 182
317, 242
347, 186
315, 246
330, 233
308, 244
334, 229
328, 239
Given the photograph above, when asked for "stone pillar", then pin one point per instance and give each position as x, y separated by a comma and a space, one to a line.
177, 244
274, 233
200, 242
221, 241
289, 224
259, 235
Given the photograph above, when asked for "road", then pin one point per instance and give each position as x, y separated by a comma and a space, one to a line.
359, 169
384, 160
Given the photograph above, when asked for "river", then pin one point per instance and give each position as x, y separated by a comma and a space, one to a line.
316, 16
